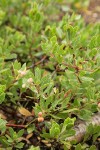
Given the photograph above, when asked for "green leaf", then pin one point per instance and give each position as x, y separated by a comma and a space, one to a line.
55, 130
34, 148
2, 125
85, 114
53, 39
78, 147
3, 141
2, 88
16, 65
93, 147
2, 16
45, 135
68, 123
20, 133
37, 76
2, 97
19, 145
11, 132
30, 128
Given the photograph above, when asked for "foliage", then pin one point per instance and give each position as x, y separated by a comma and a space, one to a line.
49, 72
13, 139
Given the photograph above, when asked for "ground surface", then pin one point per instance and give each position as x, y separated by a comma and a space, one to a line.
93, 12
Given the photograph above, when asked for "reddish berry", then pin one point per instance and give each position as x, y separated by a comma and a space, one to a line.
40, 114
40, 119
30, 80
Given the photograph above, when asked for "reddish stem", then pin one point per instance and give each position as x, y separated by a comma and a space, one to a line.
15, 125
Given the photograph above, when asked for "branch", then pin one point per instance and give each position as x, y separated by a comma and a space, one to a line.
81, 128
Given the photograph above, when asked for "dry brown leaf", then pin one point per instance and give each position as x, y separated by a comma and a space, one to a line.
33, 113
24, 139
2, 115
24, 111
67, 93
45, 73
29, 136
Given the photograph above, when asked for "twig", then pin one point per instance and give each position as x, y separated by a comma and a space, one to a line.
37, 63
76, 67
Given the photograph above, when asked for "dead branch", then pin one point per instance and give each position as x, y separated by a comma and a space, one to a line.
81, 128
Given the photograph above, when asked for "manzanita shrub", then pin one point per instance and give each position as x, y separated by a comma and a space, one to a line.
49, 74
